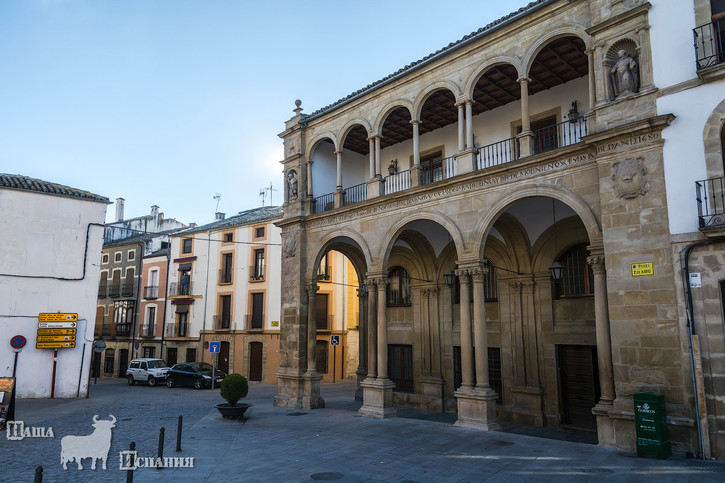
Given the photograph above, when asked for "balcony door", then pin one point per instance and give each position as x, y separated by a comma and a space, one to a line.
223, 358
255, 361
321, 303
257, 311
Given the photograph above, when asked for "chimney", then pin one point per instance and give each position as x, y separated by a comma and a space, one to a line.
119, 209
154, 211
218, 216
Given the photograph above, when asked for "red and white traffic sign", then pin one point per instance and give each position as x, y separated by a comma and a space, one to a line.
18, 342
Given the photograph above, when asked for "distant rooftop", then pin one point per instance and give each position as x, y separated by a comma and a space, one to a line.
26, 183
482, 32
248, 217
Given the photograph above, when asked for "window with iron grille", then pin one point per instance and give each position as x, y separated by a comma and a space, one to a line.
190, 355
258, 264
399, 292
578, 278
259, 232
495, 379
110, 356
400, 366
149, 352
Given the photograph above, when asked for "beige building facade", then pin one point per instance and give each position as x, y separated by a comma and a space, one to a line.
514, 218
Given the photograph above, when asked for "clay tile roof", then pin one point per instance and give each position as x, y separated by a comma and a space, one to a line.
482, 32
248, 217
25, 183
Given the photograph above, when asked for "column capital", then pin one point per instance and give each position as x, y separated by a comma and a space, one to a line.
461, 101
312, 287
416, 122
597, 263
479, 274
528, 287
373, 136
462, 274
523, 79
361, 293
338, 152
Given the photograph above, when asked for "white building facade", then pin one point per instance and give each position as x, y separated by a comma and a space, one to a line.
50, 239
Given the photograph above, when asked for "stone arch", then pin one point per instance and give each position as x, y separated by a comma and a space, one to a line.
554, 241
335, 241
314, 142
349, 126
447, 223
430, 90
571, 199
713, 142
498, 60
566, 30
417, 257
390, 107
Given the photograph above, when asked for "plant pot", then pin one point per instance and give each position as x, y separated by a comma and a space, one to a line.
233, 412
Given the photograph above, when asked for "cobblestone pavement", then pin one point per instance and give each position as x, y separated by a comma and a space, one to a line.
332, 444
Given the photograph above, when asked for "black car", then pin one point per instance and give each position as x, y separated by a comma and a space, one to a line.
197, 374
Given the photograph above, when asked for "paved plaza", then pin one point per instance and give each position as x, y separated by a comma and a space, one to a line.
331, 444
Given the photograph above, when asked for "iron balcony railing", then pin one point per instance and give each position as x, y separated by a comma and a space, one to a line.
397, 182
222, 322
559, 135
254, 321
102, 290
225, 276
438, 170
148, 330
114, 290
256, 273
324, 273
709, 44
179, 289
324, 203
325, 323
355, 194
151, 292
112, 330
501, 152
710, 202
128, 289
170, 330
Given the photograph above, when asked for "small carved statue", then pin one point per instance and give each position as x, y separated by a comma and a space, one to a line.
292, 185
290, 246
630, 179
625, 75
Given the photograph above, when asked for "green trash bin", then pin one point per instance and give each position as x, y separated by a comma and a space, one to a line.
650, 419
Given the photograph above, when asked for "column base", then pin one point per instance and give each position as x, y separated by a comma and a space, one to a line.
360, 375
466, 161
477, 409
377, 399
289, 391
527, 404
606, 432
311, 391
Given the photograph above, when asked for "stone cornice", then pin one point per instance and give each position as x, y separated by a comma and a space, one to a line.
619, 19
653, 124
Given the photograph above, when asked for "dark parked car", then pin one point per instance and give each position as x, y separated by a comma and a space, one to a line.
197, 374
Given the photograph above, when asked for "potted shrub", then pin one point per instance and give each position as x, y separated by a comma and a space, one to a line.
234, 387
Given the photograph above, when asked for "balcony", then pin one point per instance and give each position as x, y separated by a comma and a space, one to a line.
102, 290
324, 274
325, 323
254, 321
324, 203
148, 330
128, 289
355, 194
114, 290
397, 182
222, 322
151, 293
225, 276
438, 170
256, 273
175, 330
710, 195
709, 44
181, 289
116, 330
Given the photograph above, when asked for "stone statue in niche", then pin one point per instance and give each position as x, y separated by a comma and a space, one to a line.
291, 185
625, 74
290, 246
630, 178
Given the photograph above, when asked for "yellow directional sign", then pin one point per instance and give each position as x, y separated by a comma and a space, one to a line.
643, 269
57, 317
56, 331
56, 338
55, 345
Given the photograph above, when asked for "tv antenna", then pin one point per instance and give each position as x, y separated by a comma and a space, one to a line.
217, 197
263, 193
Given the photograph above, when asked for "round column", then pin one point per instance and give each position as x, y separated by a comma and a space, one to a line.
312, 288
466, 342
479, 328
601, 317
382, 284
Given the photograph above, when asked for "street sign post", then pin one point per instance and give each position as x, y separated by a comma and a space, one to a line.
214, 348
98, 347
17, 343
334, 342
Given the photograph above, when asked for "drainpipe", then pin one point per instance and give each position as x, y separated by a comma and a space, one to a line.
134, 325
206, 293
689, 310
166, 300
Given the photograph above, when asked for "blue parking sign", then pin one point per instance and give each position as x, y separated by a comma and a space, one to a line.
215, 347
334, 340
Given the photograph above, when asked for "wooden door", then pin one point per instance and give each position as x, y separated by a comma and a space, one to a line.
257, 311
223, 358
322, 350
321, 301
255, 361
579, 383
171, 356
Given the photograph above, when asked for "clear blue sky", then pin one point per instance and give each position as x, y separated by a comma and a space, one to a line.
169, 102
